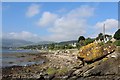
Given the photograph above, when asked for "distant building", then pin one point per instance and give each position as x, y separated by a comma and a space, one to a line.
73, 44
113, 40
107, 38
104, 39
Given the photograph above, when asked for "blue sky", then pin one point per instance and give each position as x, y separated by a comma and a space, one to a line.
60, 21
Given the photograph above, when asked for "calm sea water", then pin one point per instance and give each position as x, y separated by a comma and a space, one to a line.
18, 51
7, 59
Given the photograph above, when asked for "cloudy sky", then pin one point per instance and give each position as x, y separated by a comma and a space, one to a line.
60, 21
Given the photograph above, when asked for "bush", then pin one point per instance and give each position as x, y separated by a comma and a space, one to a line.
117, 34
81, 38
101, 44
117, 43
109, 42
88, 41
50, 71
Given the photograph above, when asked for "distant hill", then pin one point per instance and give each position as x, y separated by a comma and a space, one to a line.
15, 43
19, 43
44, 42
68, 42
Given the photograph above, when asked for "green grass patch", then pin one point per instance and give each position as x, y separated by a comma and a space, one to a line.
51, 71
117, 42
62, 71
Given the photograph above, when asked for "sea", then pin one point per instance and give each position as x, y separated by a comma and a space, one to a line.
8, 61
18, 51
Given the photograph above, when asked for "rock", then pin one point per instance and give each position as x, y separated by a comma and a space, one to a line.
73, 78
51, 76
57, 67
70, 73
109, 67
83, 71
41, 78
77, 72
94, 51
113, 55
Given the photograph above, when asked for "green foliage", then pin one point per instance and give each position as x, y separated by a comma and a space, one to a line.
88, 41
118, 49
101, 43
81, 38
70, 47
117, 34
109, 42
62, 71
52, 46
62, 47
78, 46
100, 36
117, 42
51, 71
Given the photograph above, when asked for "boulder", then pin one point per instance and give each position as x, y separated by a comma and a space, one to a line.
95, 51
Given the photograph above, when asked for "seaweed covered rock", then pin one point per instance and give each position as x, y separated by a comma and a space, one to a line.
94, 51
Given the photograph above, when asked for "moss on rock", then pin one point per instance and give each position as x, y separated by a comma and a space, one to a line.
94, 51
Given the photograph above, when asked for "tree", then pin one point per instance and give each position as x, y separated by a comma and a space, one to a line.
100, 36
88, 41
81, 38
52, 46
117, 35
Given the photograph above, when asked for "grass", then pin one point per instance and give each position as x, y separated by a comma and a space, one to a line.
117, 42
62, 71
104, 59
51, 71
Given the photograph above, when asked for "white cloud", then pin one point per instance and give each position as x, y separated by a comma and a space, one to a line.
72, 24
33, 10
47, 19
84, 11
111, 26
68, 26
68, 29
24, 35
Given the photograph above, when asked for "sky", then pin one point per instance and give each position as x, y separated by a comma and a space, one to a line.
57, 21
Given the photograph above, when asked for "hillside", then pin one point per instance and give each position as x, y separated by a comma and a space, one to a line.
14, 43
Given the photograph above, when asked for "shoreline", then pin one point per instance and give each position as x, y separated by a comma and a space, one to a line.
22, 59
65, 65
54, 62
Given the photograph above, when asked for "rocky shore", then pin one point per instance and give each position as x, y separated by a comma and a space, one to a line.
56, 63
64, 65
